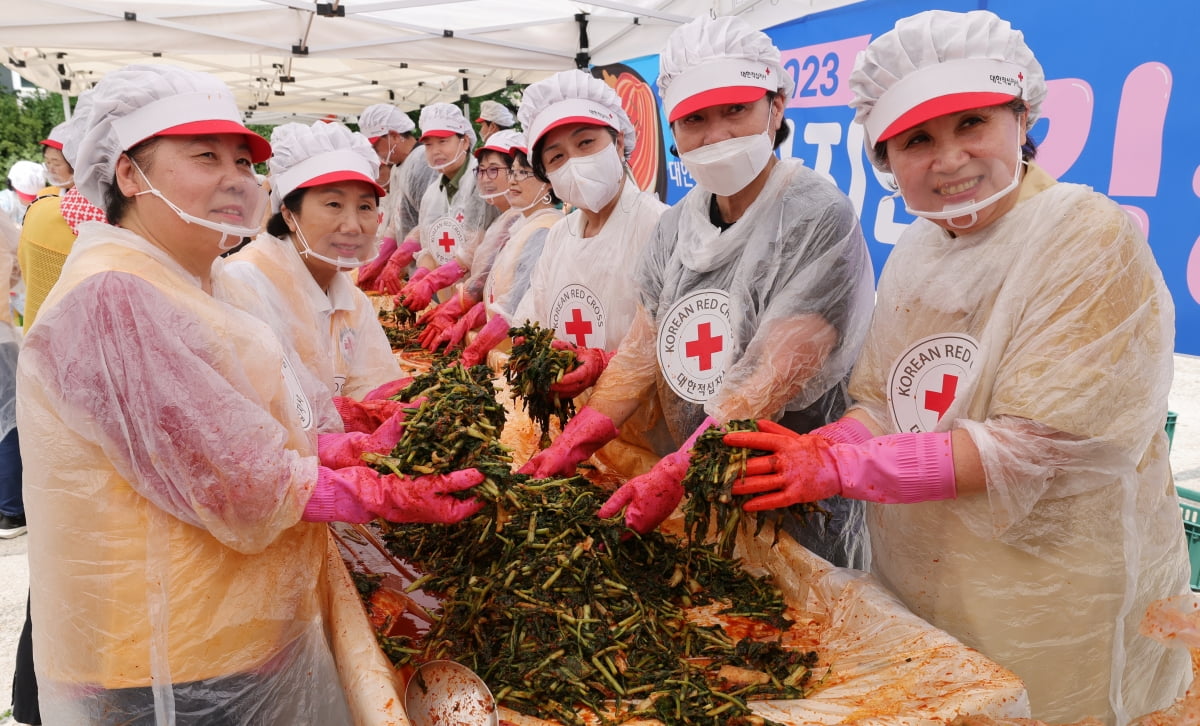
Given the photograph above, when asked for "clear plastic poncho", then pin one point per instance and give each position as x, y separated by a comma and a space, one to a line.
1048, 337
762, 320
169, 455
508, 279
336, 332
10, 343
406, 186
479, 266
451, 227
581, 285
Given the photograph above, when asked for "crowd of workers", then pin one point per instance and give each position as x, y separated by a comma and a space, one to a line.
202, 369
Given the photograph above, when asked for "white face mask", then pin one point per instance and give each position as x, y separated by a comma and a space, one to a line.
342, 263
970, 209
589, 182
253, 203
728, 166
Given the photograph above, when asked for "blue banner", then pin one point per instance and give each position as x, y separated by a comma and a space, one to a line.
1120, 116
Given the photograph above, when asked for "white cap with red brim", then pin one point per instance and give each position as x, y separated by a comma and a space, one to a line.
573, 97
323, 153
718, 61
503, 142
445, 119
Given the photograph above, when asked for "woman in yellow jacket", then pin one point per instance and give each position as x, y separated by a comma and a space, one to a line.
176, 489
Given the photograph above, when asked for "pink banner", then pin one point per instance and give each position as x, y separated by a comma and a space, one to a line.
822, 72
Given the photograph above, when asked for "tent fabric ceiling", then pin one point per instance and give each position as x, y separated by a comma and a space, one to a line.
321, 59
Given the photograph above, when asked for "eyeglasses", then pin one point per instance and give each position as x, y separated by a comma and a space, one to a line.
491, 172
519, 175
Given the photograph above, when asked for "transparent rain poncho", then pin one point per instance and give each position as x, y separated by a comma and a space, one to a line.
762, 320
406, 186
336, 332
580, 285
479, 265
1047, 336
175, 451
508, 279
452, 227
10, 344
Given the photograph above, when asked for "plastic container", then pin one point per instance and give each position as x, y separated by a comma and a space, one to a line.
1171, 416
1191, 528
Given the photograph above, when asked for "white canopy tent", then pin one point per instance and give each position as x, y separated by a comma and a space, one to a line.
322, 59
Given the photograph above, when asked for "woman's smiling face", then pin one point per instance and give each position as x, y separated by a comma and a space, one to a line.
958, 158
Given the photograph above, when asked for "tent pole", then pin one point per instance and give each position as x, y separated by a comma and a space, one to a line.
66, 106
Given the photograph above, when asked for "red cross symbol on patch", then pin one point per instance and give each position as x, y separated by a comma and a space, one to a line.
446, 242
459, 217
578, 328
705, 346
939, 401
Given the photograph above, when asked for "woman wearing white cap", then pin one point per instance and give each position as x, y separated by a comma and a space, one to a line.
324, 218
1009, 400
453, 216
755, 290
508, 280
491, 184
580, 140
177, 499
494, 116
393, 136
451, 320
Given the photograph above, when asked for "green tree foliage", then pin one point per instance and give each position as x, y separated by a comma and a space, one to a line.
24, 121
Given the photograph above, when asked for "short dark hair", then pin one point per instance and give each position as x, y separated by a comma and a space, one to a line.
784, 130
540, 169
523, 159
276, 226
116, 204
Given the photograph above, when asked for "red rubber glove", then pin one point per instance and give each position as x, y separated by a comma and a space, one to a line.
337, 451
592, 362
369, 273
889, 469
650, 498
361, 494
453, 336
393, 272
845, 430
582, 437
488, 337
366, 416
434, 322
391, 389
418, 293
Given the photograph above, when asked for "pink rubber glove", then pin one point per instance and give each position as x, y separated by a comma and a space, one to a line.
441, 319
650, 498
367, 415
582, 437
488, 337
389, 279
453, 336
418, 293
845, 430
805, 468
369, 273
592, 362
337, 451
391, 389
361, 494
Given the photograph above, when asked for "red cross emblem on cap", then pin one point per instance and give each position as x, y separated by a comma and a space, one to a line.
1020, 76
